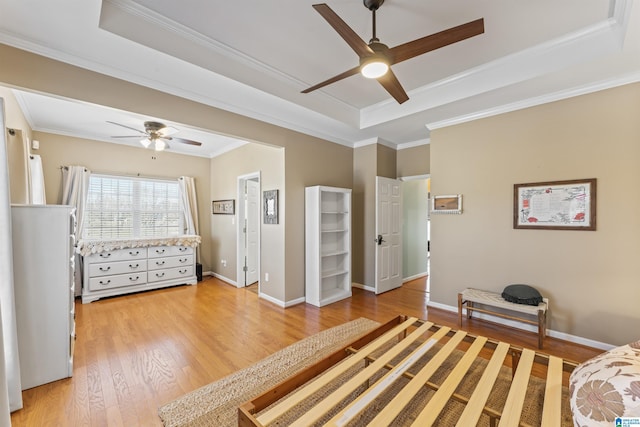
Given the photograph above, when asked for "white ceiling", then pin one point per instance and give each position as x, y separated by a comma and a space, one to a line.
253, 57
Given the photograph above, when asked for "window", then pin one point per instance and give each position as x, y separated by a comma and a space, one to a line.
132, 208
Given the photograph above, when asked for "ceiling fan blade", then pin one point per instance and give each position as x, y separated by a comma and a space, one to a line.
126, 136
435, 41
350, 36
391, 83
334, 79
128, 127
183, 141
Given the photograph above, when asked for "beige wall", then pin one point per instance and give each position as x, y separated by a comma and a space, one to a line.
103, 157
308, 160
365, 161
414, 161
225, 170
17, 147
589, 276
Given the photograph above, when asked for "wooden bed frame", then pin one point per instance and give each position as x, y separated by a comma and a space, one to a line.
376, 350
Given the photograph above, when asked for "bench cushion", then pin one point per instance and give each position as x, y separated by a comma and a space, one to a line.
522, 294
495, 299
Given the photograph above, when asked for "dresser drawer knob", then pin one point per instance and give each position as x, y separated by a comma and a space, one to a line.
105, 283
132, 253
107, 255
105, 268
134, 279
159, 251
159, 262
134, 266
182, 271
182, 249
183, 260
159, 274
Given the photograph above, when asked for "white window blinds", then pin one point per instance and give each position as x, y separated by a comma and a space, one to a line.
132, 208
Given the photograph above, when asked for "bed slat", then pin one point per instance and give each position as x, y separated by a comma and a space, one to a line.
393, 408
473, 410
552, 409
295, 398
518, 391
431, 411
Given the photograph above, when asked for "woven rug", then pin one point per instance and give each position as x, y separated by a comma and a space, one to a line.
216, 404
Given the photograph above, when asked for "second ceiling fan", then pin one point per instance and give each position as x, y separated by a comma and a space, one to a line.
376, 58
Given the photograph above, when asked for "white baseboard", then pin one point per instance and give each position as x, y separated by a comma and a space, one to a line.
414, 277
281, 303
224, 279
518, 325
361, 286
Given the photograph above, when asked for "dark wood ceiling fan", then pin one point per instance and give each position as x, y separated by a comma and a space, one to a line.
376, 51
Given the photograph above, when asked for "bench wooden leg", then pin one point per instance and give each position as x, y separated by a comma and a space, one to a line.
542, 327
459, 310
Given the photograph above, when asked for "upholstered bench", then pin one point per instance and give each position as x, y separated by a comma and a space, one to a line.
493, 303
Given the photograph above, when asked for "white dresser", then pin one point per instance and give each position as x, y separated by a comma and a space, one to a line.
43, 265
123, 271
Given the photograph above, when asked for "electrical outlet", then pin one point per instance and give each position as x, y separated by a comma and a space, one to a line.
266, 277
224, 262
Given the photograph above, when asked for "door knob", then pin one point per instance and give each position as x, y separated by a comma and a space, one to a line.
379, 240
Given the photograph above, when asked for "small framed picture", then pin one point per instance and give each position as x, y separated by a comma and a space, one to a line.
451, 204
270, 206
225, 207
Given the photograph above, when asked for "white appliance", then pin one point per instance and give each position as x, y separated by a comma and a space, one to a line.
43, 264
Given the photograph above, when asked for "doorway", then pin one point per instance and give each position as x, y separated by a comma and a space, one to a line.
248, 244
417, 229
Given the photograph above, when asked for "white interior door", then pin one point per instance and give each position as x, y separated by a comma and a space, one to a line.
388, 238
252, 227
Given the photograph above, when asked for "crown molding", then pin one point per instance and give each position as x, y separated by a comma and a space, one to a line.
539, 100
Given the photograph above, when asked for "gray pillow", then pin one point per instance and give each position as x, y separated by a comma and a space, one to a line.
522, 294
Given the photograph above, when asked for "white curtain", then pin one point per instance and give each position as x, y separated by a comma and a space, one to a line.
10, 387
190, 205
75, 186
36, 181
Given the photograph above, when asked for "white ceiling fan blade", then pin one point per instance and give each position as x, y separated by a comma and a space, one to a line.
167, 130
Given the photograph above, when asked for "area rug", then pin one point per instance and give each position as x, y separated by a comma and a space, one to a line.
216, 404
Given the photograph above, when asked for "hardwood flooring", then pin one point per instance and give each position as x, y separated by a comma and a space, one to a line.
135, 353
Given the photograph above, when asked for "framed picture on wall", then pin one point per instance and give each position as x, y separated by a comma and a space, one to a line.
450, 204
270, 206
555, 205
225, 207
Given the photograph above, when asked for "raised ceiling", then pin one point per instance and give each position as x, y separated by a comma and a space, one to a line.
254, 57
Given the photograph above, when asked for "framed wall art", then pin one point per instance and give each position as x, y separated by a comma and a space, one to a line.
270, 206
225, 207
555, 205
451, 204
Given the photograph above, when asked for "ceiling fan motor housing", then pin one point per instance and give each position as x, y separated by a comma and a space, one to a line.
372, 4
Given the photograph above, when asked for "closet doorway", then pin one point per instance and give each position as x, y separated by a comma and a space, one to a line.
248, 258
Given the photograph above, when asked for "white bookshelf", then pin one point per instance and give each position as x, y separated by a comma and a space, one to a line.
327, 244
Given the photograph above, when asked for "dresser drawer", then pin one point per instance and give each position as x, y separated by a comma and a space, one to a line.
170, 262
117, 281
163, 251
118, 255
170, 273
119, 267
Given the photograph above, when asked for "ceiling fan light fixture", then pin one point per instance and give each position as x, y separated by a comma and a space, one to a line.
159, 145
145, 142
374, 66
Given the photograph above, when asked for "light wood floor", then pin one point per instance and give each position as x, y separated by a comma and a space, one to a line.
135, 353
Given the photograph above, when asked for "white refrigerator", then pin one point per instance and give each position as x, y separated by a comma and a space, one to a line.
43, 239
